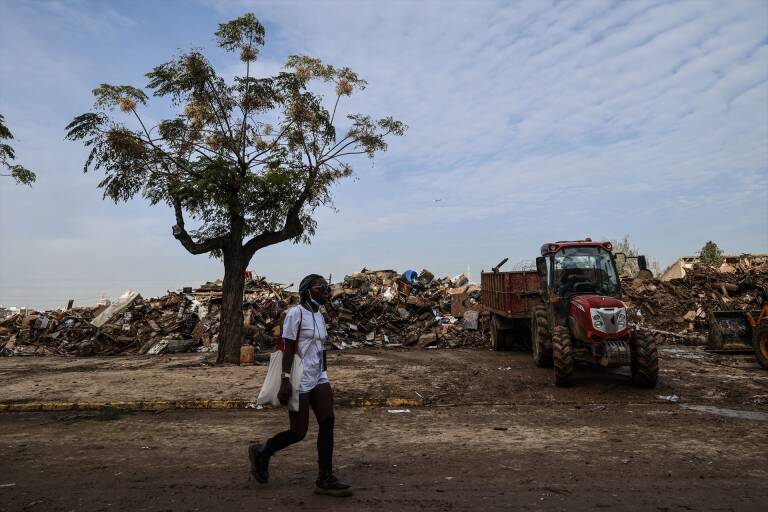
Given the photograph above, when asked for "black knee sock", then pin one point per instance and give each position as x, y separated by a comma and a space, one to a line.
325, 447
280, 441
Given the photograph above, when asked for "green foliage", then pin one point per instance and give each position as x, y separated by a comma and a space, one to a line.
19, 173
243, 32
711, 255
123, 96
251, 158
626, 266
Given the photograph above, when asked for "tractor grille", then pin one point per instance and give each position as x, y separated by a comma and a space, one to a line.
616, 353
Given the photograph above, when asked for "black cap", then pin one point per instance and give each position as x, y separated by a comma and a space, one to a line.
307, 282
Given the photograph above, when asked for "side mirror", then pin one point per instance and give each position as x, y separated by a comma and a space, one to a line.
541, 266
641, 263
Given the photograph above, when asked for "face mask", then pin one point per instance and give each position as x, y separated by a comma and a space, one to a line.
312, 300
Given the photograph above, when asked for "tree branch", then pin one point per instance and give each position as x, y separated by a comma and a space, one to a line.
271, 238
270, 147
225, 117
245, 101
335, 151
292, 227
180, 234
350, 153
163, 153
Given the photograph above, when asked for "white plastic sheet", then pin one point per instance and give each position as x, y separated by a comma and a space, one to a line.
115, 309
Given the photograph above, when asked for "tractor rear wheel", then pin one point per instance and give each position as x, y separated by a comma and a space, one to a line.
562, 355
645, 360
541, 338
760, 343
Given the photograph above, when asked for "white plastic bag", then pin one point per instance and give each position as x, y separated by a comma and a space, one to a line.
271, 386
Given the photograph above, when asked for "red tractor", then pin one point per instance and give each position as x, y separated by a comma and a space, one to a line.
576, 312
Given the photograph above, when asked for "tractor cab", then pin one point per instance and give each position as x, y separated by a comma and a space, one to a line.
578, 268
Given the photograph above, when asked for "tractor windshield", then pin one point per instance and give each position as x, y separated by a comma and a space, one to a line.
582, 270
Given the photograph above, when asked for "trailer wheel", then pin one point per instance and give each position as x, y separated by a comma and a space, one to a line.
645, 360
541, 343
562, 356
760, 344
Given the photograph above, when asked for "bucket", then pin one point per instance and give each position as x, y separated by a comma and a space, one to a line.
247, 355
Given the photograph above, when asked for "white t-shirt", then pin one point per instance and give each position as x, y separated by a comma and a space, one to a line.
311, 340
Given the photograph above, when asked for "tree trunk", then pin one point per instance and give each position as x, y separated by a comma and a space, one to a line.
231, 324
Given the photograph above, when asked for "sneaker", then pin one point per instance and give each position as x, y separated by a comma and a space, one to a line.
331, 486
259, 463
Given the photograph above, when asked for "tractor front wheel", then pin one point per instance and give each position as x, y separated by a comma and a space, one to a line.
760, 343
645, 360
540, 338
562, 355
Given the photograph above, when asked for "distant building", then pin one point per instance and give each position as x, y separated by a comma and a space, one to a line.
10, 311
731, 261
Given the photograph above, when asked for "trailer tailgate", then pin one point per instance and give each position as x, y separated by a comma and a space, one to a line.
510, 294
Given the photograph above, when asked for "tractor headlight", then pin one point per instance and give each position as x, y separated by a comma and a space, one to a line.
597, 321
621, 320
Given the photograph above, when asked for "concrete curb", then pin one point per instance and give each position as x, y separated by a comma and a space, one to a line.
157, 405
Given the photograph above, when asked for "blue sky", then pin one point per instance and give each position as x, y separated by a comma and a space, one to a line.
529, 122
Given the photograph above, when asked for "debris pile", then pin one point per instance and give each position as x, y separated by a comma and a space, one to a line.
383, 308
679, 309
368, 309
177, 322
378, 309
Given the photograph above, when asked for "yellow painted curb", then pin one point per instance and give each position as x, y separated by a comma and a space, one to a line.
181, 404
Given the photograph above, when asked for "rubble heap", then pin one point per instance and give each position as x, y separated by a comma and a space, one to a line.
680, 307
177, 322
382, 308
377, 308
368, 309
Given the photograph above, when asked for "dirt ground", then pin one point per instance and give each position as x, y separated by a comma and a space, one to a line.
440, 377
495, 435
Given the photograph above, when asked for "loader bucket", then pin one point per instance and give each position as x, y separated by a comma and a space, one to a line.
730, 331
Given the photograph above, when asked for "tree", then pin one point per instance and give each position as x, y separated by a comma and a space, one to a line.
249, 161
21, 174
711, 255
628, 265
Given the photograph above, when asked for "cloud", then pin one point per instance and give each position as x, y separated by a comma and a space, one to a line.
534, 93
528, 120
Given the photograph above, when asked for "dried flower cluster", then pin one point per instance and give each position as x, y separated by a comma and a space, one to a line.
127, 104
196, 65
213, 142
250, 102
303, 73
344, 88
124, 141
198, 115
248, 54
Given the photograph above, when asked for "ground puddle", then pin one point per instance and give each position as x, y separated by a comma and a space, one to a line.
730, 413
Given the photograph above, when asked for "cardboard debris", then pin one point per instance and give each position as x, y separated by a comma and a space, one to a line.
368, 309
680, 306
176, 322
380, 308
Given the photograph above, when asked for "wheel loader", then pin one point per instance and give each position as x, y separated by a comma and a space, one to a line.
740, 331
